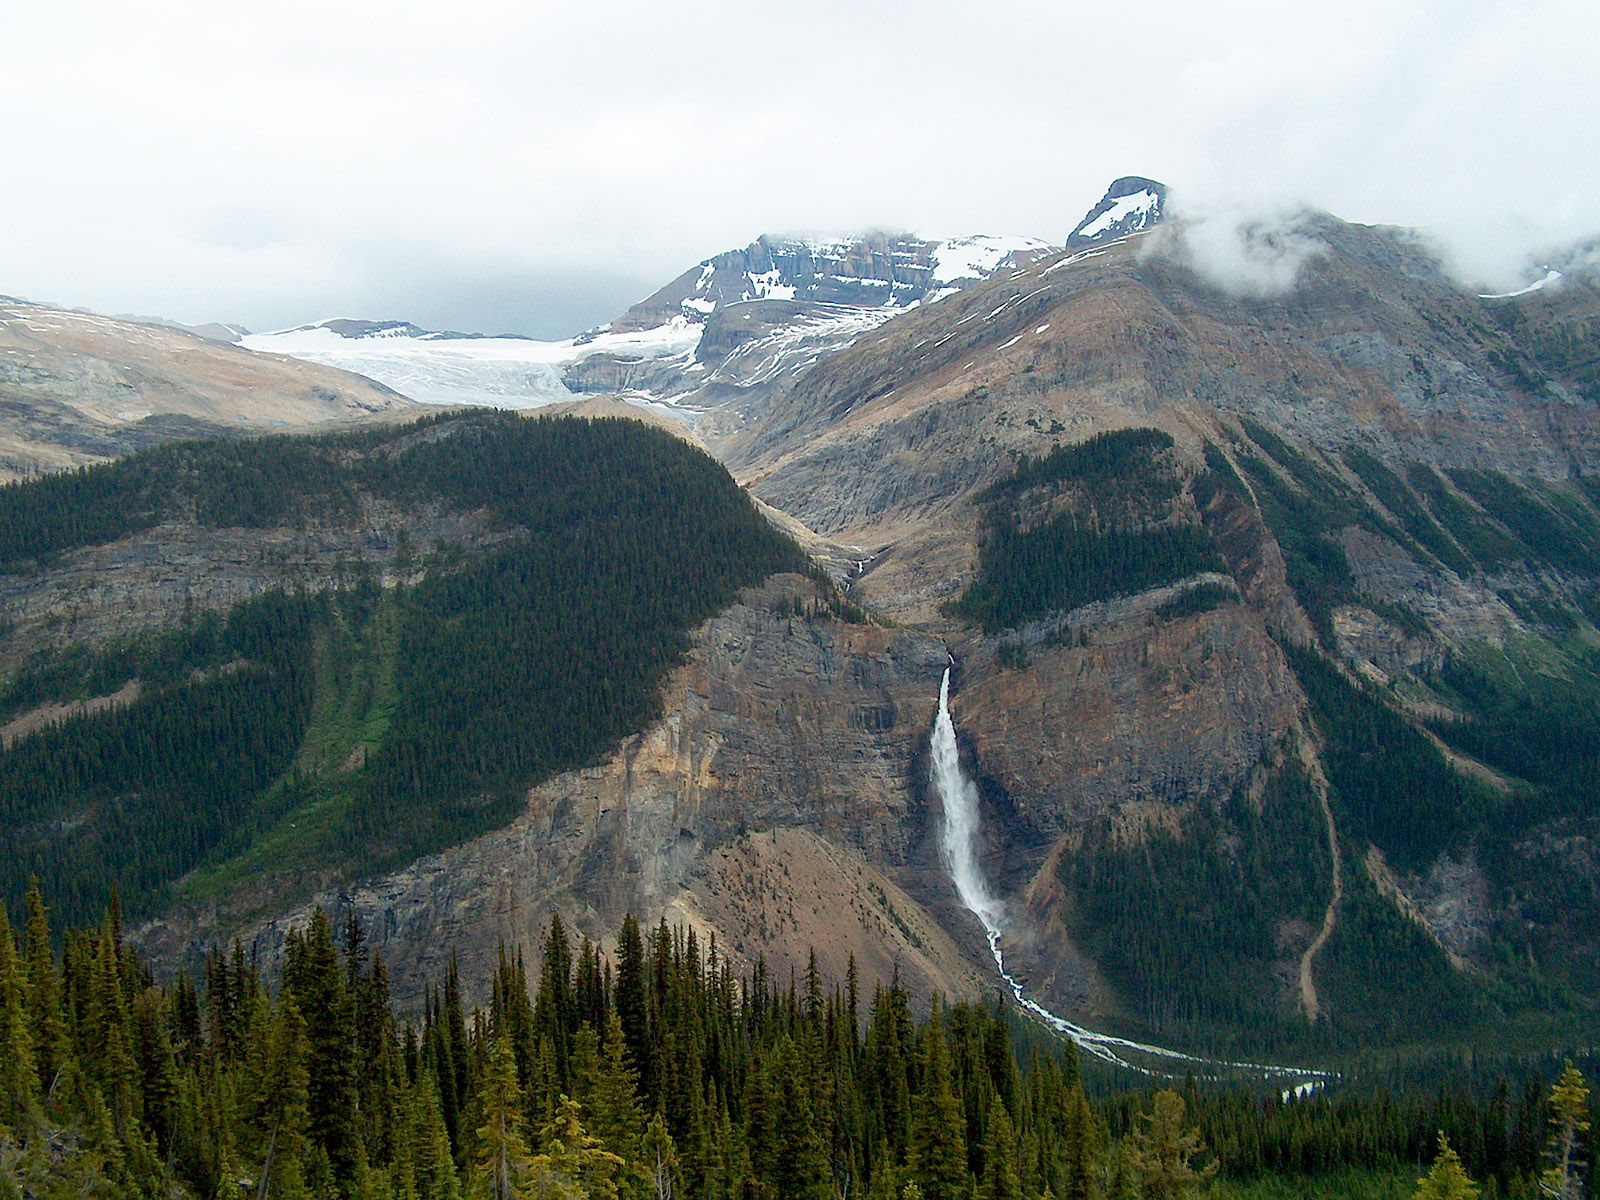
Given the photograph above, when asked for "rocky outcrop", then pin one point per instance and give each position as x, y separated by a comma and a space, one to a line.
1131, 205
1134, 708
870, 270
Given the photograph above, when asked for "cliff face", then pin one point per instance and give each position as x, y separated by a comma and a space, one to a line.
775, 806
1146, 712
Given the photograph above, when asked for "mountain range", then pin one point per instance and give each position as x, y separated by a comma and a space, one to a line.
1267, 585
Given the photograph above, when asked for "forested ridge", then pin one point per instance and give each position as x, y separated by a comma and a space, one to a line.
1085, 522
364, 724
653, 1071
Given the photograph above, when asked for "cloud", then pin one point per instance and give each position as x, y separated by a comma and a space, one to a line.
273, 163
1242, 250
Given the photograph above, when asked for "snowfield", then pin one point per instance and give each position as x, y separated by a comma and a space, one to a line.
1551, 276
978, 257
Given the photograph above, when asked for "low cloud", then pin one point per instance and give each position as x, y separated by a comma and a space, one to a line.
275, 163
1245, 251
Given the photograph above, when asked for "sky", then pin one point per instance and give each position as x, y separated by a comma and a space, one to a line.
535, 168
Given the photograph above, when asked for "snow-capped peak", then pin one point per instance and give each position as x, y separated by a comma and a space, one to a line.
773, 309
1131, 204
870, 270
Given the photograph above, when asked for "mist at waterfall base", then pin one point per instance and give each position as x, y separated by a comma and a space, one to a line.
959, 840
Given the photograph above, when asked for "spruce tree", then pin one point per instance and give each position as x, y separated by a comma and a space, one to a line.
50, 1041
611, 1093
554, 1008
312, 973
1164, 1150
19, 1073
1079, 1146
659, 1158
571, 1161
632, 1004
433, 1168
1569, 1121
1000, 1181
501, 1158
281, 1104
938, 1128
1124, 1182
1448, 1179
802, 1168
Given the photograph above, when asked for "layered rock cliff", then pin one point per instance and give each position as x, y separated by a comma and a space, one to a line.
777, 806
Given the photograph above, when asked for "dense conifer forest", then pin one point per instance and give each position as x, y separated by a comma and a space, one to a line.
656, 1070
1085, 522
364, 724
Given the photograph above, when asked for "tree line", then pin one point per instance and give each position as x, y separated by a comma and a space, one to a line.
648, 1072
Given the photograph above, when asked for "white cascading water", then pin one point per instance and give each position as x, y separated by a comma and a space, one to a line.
959, 842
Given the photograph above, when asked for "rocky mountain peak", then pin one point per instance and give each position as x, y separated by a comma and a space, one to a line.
1131, 204
876, 269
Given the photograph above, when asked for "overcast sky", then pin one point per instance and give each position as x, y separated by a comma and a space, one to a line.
535, 168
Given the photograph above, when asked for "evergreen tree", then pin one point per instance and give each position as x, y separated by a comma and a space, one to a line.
554, 1009
320, 988
659, 1158
611, 1094
1569, 1122
501, 1158
1124, 1183
1079, 1147
571, 1161
801, 1168
109, 1028
19, 1073
280, 1105
1448, 1179
433, 1168
1000, 1181
1164, 1149
938, 1130
50, 1040
631, 1002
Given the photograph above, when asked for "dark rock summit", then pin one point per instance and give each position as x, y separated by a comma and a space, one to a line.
1131, 204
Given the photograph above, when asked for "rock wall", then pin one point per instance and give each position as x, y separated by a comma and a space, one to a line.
778, 730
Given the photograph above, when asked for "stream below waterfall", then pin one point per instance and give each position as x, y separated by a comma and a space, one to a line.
958, 840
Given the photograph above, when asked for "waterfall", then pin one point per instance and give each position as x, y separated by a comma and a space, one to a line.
958, 841
959, 832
